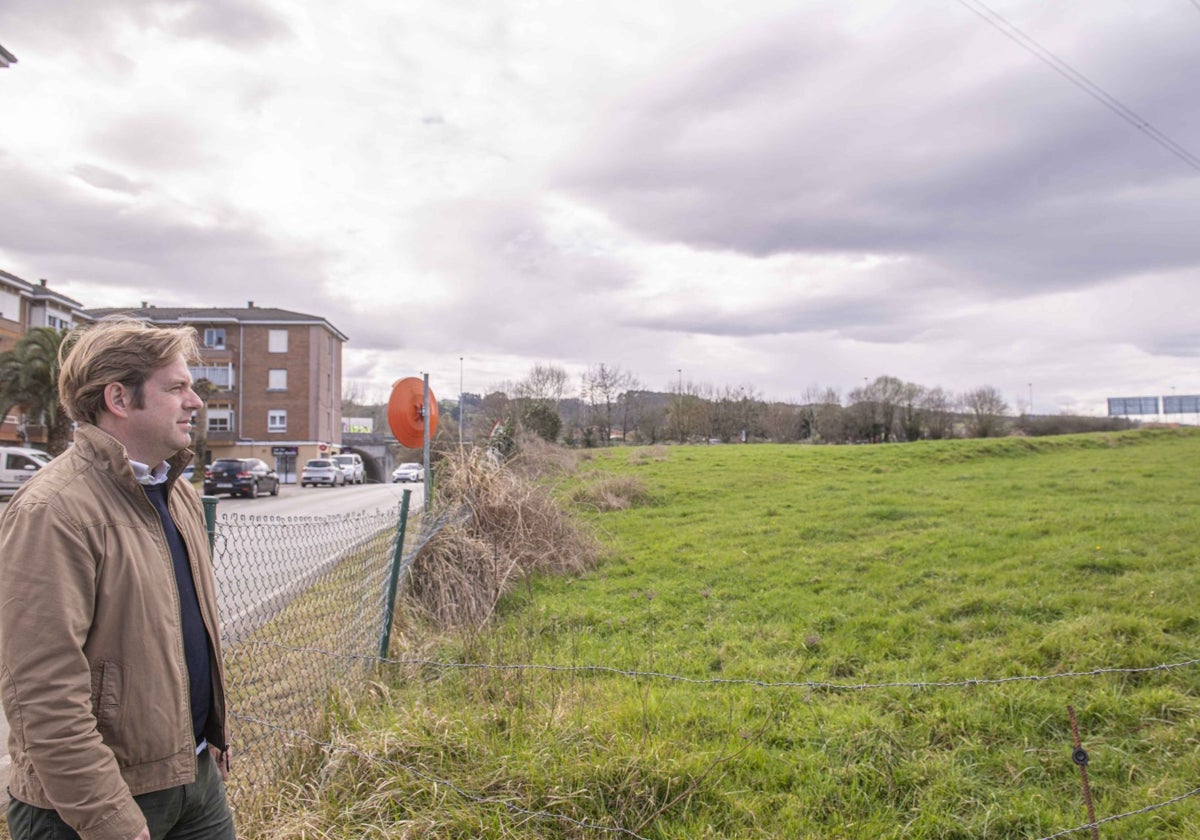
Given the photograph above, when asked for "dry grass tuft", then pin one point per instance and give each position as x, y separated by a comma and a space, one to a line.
613, 492
536, 458
515, 528
648, 454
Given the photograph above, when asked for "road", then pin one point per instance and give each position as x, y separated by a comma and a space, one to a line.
261, 564
239, 601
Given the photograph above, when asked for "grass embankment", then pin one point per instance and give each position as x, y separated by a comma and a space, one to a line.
857, 566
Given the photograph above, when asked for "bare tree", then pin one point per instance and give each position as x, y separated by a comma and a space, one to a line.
544, 383
735, 413
987, 409
601, 387
938, 408
822, 417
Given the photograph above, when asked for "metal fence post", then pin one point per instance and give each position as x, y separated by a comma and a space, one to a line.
210, 519
389, 605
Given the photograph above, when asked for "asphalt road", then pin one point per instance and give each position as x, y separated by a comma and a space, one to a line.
235, 598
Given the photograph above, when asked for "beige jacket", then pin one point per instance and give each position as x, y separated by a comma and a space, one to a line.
92, 670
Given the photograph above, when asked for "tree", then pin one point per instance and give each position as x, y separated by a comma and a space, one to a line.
543, 421
601, 388
987, 408
938, 408
205, 390
544, 383
29, 378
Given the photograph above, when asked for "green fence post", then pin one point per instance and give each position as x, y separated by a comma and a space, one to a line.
389, 606
210, 519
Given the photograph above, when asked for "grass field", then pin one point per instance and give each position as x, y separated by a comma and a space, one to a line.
812, 642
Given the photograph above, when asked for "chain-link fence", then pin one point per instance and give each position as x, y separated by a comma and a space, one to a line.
304, 606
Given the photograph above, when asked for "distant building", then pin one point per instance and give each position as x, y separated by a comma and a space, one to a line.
23, 306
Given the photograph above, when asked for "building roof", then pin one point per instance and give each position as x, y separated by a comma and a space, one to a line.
38, 291
214, 315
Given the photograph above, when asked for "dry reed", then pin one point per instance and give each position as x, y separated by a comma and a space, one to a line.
513, 527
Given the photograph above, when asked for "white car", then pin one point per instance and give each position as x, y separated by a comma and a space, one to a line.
408, 472
321, 471
351, 465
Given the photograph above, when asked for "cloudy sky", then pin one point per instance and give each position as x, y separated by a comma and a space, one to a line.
761, 193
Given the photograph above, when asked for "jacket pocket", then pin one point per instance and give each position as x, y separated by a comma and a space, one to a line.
108, 696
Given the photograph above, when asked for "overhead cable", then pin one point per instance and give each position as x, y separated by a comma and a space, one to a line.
1082, 82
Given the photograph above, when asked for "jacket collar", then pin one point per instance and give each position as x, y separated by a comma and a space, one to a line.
109, 454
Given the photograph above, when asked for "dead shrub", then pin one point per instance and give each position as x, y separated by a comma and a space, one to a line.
512, 527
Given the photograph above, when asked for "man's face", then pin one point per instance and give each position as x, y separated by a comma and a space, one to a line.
163, 424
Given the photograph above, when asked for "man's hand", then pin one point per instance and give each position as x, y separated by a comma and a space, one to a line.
222, 760
144, 834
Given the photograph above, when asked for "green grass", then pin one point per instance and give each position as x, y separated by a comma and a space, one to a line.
828, 572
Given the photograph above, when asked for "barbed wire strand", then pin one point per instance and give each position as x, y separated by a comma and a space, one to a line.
1148, 809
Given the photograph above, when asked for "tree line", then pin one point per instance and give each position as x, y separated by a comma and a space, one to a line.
608, 404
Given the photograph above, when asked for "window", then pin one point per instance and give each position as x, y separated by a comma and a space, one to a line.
277, 341
15, 461
219, 375
276, 380
214, 338
277, 420
220, 419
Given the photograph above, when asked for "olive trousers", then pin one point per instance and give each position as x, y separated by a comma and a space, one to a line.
198, 811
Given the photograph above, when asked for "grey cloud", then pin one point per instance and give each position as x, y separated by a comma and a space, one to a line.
105, 179
1014, 182
155, 140
518, 287
234, 23
65, 233
852, 314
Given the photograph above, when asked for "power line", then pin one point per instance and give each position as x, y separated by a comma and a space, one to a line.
1085, 84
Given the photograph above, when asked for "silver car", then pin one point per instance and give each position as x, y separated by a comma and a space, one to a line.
319, 471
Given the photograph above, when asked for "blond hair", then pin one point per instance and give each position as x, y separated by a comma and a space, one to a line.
116, 350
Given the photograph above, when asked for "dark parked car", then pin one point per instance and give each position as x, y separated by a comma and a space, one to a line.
240, 477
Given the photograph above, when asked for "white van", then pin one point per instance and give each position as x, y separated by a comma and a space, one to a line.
17, 464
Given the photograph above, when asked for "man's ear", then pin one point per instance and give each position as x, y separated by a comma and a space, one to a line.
117, 399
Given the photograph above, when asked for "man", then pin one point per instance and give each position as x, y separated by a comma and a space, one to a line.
110, 660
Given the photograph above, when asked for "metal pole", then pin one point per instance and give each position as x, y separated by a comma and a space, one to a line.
389, 606
210, 519
462, 415
425, 425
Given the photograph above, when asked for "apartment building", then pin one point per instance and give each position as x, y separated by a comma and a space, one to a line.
23, 306
274, 380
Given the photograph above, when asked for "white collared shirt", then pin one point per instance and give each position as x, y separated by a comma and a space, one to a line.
145, 475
